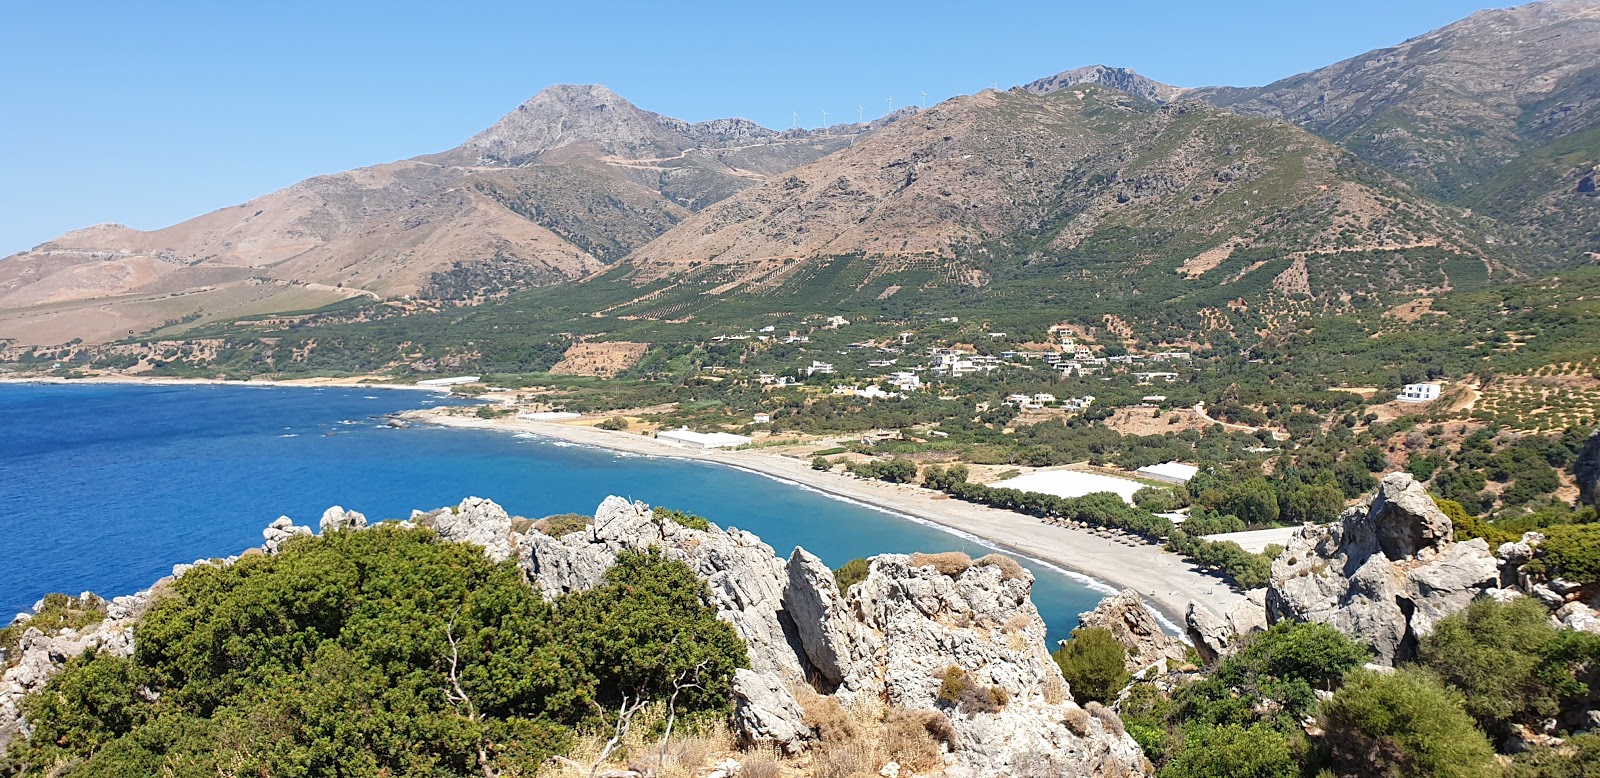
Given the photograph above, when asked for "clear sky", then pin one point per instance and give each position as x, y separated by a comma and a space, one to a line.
149, 112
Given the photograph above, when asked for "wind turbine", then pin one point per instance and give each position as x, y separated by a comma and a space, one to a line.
861, 112
890, 101
794, 118
824, 120
924, 99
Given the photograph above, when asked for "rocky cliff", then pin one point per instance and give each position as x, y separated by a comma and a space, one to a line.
897, 638
1384, 575
1587, 471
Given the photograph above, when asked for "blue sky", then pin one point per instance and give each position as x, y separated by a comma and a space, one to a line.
148, 113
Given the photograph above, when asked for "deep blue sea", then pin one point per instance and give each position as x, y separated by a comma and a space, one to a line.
104, 488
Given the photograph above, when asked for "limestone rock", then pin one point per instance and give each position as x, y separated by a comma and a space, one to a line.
1134, 625
40, 656
1587, 471
337, 518
1577, 616
746, 579
1216, 637
833, 643
479, 522
279, 531
1385, 576
766, 713
981, 620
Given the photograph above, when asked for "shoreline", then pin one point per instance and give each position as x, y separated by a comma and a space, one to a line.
301, 383
1167, 582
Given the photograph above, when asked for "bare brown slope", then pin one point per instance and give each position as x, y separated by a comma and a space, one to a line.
573, 179
1020, 176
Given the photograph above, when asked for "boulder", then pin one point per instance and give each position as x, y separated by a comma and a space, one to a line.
1385, 575
476, 521
1577, 616
833, 643
280, 530
337, 518
1215, 637
1134, 625
1587, 471
765, 713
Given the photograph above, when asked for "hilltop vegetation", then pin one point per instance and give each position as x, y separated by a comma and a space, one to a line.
379, 652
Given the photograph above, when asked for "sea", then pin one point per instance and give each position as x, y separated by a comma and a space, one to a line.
105, 487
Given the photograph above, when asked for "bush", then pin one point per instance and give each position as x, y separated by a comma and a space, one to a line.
951, 563
615, 423
1572, 552
1467, 527
1155, 500
59, 611
681, 519
1232, 751
341, 655
1094, 664
1403, 723
850, 574
1507, 659
562, 524
821, 463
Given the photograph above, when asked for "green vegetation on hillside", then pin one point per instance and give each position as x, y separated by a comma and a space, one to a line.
380, 652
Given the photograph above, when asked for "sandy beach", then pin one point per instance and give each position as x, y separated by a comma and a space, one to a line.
1165, 580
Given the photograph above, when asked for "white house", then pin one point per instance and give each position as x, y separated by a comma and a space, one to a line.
1044, 398
797, 339
762, 418
835, 322
1418, 393
1150, 378
819, 367
949, 319
1079, 403
905, 381
691, 439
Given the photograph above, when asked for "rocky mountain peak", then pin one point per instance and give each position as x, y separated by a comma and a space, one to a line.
1116, 78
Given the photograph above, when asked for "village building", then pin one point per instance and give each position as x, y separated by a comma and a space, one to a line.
1174, 473
1418, 393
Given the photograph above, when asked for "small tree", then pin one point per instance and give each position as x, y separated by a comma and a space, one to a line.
1403, 723
853, 572
1232, 751
1093, 664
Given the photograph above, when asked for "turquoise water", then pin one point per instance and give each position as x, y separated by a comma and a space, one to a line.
103, 488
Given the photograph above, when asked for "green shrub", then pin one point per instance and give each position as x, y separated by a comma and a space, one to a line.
821, 463
1572, 552
680, 518
1403, 724
378, 652
1232, 751
853, 572
1510, 663
59, 612
615, 423
562, 524
1093, 664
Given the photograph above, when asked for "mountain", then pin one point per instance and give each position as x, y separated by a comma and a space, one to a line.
1116, 78
1499, 112
1081, 184
572, 180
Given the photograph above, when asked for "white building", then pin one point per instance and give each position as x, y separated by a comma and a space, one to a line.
1150, 378
691, 439
762, 418
549, 415
835, 322
452, 381
1168, 472
1079, 403
905, 381
949, 319
819, 367
1418, 393
1044, 398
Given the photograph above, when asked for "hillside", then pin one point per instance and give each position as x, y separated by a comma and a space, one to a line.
570, 181
1496, 112
999, 192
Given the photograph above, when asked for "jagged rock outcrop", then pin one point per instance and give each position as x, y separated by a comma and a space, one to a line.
1216, 637
1134, 625
892, 640
765, 711
1384, 575
979, 618
1587, 471
476, 521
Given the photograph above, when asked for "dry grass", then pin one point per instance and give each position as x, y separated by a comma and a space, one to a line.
1077, 720
861, 740
1107, 717
761, 763
1010, 570
951, 563
688, 754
